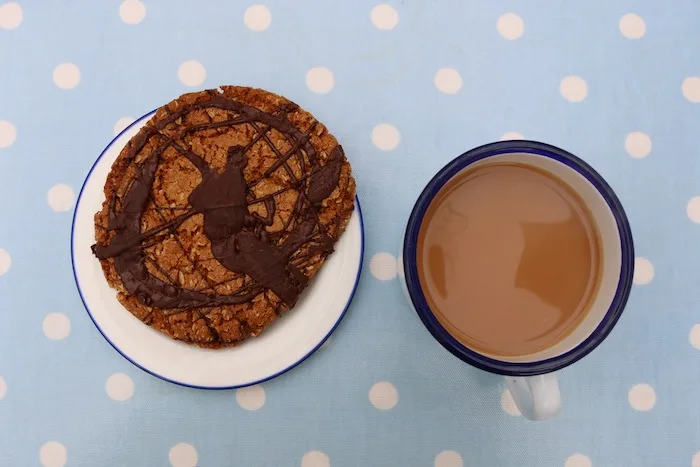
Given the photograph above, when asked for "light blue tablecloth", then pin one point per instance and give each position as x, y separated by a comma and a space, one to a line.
405, 88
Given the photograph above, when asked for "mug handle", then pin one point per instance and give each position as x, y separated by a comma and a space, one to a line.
537, 397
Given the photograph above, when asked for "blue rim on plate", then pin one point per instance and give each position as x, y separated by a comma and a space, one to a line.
153, 373
418, 298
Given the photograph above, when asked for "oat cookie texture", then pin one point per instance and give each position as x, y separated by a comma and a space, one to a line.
219, 212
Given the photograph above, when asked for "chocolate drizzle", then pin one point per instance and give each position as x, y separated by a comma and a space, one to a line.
239, 240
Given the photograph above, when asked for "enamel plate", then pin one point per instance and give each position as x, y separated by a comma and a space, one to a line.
282, 346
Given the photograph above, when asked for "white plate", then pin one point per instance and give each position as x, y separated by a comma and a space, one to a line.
282, 346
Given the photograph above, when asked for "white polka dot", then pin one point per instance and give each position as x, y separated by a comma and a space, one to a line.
56, 326
510, 26
383, 395
8, 134
573, 88
642, 397
643, 271
10, 15
383, 266
53, 454
578, 460
638, 144
694, 336
251, 398
183, 455
695, 462
693, 209
66, 75
320, 80
384, 17
448, 80
511, 135
632, 26
132, 11
191, 73
315, 459
119, 387
60, 197
508, 404
257, 18
399, 266
449, 459
691, 89
386, 137
5, 261
122, 124
3, 388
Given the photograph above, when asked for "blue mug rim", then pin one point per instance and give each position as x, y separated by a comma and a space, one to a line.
420, 303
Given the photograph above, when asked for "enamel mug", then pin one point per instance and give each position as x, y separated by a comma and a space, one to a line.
532, 378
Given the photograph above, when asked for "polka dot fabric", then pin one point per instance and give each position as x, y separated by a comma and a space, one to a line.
406, 86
